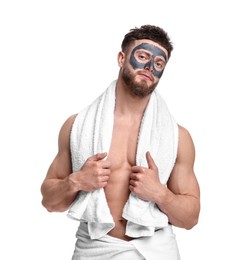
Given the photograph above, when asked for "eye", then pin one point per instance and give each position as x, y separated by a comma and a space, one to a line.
159, 64
142, 56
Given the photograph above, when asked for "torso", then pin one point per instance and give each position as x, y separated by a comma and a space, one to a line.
122, 157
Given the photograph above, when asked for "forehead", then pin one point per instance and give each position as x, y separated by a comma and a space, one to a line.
149, 45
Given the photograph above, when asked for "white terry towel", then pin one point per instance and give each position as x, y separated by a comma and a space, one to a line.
92, 134
107, 247
162, 245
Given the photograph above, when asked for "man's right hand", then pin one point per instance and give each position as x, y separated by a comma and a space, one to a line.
94, 174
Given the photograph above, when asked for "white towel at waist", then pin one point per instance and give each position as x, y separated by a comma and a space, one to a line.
92, 133
162, 245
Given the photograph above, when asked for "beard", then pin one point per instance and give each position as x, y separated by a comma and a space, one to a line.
136, 88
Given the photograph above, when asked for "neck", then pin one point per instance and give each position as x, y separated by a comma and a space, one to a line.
128, 104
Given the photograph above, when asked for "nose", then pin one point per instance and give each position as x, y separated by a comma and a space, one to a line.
149, 66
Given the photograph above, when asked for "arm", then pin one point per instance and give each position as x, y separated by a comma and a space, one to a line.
57, 188
61, 185
180, 200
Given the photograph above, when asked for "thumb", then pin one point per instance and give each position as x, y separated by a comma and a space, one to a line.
151, 162
97, 157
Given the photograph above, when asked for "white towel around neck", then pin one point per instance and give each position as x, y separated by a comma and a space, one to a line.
92, 133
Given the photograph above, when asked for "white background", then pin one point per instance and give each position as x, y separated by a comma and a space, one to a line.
57, 56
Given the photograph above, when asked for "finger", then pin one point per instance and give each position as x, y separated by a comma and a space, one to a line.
131, 188
138, 169
103, 184
97, 157
132, 183
150, 161
106, 164
106, 172
134, 176
104, 179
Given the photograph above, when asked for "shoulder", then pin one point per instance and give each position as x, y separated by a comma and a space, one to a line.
64, 134
184, 133
67, 125
186, 148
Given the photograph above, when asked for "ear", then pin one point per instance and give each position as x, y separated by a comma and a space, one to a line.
121, 58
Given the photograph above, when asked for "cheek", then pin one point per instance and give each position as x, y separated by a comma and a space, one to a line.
158, 74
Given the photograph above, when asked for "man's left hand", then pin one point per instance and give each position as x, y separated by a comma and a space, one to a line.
145, 182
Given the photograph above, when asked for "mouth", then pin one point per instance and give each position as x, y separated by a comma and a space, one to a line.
146, 76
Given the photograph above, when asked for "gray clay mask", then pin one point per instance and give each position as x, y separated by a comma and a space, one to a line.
148, 56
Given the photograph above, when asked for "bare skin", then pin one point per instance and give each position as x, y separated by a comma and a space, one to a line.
118, 174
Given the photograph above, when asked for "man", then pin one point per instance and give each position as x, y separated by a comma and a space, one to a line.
127, 197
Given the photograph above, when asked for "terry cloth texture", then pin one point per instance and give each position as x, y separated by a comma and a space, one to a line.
162, 245
92, 133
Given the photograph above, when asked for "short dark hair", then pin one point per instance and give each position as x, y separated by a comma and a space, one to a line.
150, 32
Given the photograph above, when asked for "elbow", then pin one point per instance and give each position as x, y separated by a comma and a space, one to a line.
48, 207
192, 220
187, 223
53, 208
190, 224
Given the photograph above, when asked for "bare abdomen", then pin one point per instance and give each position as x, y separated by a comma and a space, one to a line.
117, 194
120, 230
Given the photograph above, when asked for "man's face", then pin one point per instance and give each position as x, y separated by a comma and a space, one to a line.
150, 57
143, 67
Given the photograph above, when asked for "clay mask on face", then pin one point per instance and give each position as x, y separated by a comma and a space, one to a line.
149, 56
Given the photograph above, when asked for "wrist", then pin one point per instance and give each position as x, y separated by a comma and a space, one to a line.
73, 184
161, 195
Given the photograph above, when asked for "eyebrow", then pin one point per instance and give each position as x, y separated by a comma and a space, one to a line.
152, 49
161, 57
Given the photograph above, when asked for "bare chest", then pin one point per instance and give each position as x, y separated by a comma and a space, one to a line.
122, 156
123, 144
